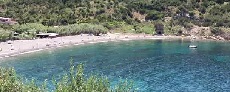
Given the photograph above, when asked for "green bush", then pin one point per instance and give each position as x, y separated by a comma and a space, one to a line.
145, 28
5, 35
83, 28
113, 25
173, 30
29, 26
10, 82
29, 30
176, 30
77, 83
74, 81
216, 31
148, 29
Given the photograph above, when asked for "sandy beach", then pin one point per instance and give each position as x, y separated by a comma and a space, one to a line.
17, 47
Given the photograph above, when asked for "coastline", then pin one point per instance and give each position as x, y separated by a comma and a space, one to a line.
19, 47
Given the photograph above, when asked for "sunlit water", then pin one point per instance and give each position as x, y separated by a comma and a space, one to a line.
153, 65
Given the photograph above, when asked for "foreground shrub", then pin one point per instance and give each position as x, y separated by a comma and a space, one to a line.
74, 81
9, 82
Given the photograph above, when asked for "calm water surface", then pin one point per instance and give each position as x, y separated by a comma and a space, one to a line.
153, 65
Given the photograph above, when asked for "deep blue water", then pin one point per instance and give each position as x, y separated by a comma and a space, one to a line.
153, 65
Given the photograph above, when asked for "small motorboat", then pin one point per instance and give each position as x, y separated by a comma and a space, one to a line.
192, 46
194, 37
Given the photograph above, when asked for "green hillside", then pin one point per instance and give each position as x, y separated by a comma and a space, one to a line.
114, 14
61, 12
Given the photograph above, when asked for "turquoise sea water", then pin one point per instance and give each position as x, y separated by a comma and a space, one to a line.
153, 65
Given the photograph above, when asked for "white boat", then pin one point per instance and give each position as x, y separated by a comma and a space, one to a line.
194, 37
192, 46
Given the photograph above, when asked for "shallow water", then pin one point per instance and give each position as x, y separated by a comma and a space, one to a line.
153, 65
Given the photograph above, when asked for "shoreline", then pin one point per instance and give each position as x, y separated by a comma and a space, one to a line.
21, 47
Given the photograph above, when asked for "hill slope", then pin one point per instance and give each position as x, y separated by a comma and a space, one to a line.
61, 12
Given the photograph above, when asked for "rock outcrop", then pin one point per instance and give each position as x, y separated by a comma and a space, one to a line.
200, 31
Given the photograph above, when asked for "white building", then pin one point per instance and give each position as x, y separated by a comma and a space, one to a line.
7, 21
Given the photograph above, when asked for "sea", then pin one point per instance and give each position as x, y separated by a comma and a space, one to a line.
152, 65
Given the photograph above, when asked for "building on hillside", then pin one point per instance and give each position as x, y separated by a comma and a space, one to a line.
8, 21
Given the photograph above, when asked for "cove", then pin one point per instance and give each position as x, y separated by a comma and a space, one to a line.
153, 65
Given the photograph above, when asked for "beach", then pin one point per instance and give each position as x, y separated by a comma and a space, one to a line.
17, 47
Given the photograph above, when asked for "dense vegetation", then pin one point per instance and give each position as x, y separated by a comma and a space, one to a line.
72, 82
132, 16
63, 12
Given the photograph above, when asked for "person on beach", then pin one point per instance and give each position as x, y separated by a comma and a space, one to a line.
12, 47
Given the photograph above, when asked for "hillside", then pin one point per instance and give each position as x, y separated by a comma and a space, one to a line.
135, 14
